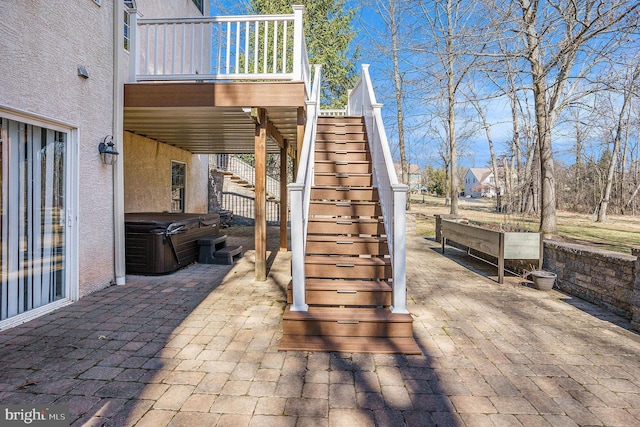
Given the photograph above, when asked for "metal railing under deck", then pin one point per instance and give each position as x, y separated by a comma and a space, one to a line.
362, 102
257, 47
243, 170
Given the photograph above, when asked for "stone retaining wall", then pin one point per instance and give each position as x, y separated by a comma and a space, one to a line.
605, 278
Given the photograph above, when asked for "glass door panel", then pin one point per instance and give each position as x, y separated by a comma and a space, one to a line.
33, 162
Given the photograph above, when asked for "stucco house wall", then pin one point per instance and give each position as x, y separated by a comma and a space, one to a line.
147, 176
147, 163
39, 77
170, 8
42, 43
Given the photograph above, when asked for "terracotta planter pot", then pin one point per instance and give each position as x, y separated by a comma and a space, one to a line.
543, 280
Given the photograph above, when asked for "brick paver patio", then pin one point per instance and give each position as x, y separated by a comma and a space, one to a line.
199, 348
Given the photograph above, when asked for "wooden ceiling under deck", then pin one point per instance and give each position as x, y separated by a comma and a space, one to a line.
213, 117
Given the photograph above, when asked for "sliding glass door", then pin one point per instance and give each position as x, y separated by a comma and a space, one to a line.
33, 249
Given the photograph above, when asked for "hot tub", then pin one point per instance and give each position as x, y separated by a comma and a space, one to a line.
161, 243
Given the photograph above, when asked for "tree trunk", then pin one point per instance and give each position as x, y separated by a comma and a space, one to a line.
492, 153
397, 79
514, 176
628, 91
548, 224
451, 110
454, 154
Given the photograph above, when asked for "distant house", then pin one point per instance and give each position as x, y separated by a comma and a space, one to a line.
480, 182
415, 177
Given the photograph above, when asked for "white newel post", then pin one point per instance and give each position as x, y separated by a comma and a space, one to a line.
399, 249
297, 247
134, 55
298, 11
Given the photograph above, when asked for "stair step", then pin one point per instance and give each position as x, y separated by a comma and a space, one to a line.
344, 193
345, 208
341, 119
347, 322
342, 166
345, 292
339, 245
345, 267
341, 145
350, 344
355, 226
344, 155
343, 179
341, 122
342, 137
341, 128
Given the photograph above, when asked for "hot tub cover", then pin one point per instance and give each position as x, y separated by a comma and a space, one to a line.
162, 242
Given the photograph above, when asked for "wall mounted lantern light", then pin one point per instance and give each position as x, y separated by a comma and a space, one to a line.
107, 150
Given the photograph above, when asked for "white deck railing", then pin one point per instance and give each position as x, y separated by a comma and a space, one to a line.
300, 195
243, 170
258, 47
362, 102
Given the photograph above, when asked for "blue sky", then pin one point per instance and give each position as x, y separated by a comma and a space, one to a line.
421, 148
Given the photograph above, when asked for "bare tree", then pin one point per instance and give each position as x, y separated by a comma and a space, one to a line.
486, 126
396, 19
564, 40
629, 86
451, 48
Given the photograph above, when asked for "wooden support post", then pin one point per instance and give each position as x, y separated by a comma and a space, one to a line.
284, 208
260, 117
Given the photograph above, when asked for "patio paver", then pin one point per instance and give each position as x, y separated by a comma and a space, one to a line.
200, 347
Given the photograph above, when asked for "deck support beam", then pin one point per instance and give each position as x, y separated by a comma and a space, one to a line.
260, 117
283, 196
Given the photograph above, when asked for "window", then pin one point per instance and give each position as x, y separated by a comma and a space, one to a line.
129, 8
178, 173
127, 23
199, 5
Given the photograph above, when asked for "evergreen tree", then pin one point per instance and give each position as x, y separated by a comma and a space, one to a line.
329, 33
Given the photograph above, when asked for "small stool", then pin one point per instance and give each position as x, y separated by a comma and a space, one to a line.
228, 254
207, 248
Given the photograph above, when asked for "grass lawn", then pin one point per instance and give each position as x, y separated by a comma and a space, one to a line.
619, 233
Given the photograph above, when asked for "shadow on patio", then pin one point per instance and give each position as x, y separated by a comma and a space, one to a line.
199, 347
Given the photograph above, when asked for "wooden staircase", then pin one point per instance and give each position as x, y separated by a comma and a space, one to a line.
347, 264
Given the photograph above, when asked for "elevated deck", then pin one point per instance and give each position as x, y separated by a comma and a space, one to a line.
214, 117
